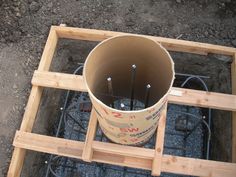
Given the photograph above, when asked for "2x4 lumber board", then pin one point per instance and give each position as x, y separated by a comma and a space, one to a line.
117, 149
91, 131
168, 43
183, 97
121, 160
59, 80
142, 158
123, 155
233, 78
46, 144
36, 92
18, 155
206, 99
31, 109
17, 161
26, 125
48, 51
159, 146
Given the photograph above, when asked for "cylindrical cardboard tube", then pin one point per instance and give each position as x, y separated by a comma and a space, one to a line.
113, 58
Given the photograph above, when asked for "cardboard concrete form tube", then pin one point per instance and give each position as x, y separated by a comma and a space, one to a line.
113, 58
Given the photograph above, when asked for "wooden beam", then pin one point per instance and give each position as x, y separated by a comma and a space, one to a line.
117, 149
159, 146
32, 105
16, 162
26, 125
233, 82
203, 99
137, 157
197, 167
91, 132
31, 109
58, 80
48, 51
177, 96
124, 155
46, 144
121, 160
168, 43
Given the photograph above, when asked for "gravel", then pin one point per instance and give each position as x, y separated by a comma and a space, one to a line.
72, 130
34, 6
234, 43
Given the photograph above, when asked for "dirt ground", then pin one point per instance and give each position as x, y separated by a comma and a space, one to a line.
24, 26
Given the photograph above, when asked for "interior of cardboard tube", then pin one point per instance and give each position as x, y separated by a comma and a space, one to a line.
115, 57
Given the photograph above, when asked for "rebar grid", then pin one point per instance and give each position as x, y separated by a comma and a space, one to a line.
74, 122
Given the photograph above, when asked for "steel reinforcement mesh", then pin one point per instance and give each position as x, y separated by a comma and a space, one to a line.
187, 134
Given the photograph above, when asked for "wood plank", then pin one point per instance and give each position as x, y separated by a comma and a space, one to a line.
159, 146
47, 144
58, 80
203, 99
31, 109
233, 82
197, 167
168, 43
104, 152
122, 160
18, 155
91, 131
117, 149
26, 125
177, 96
16, 162
48, 51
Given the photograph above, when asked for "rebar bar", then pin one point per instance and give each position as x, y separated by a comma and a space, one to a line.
122, 106
209, 110
61, 118
110, 91
133, 73
147, 94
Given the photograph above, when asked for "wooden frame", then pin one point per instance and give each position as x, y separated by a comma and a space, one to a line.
90, 150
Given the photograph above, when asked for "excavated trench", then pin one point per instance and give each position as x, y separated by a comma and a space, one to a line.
210, 72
